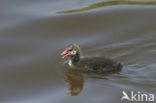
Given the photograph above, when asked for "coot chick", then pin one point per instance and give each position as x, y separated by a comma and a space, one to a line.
94, 64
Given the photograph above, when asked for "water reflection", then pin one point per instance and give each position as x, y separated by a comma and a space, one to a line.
110, 3
75, 81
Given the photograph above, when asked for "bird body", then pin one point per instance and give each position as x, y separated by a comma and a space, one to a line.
93, 64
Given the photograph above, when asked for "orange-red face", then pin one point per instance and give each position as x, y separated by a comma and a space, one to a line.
68, 52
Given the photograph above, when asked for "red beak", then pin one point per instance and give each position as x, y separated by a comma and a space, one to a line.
65, 53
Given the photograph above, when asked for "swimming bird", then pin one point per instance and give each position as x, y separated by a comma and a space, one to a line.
92, 64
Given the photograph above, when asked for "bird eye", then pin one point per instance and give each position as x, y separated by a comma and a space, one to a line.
70, 49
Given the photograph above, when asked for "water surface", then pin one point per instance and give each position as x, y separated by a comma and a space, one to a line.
33, 34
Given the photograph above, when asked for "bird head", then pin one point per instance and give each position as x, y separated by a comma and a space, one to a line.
71, 51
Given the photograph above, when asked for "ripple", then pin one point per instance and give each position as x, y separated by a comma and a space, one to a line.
110, 3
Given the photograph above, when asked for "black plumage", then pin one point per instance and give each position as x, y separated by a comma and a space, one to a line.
94, 64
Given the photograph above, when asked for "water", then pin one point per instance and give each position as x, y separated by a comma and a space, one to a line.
33, 34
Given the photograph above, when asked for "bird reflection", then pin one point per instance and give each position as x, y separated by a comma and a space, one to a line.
75, 81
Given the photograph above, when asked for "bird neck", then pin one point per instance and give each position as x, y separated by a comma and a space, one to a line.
74, 59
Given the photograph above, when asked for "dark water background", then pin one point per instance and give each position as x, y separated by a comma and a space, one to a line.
34, 33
